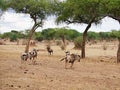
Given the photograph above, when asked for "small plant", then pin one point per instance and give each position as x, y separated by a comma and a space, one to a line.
105, 46
62, 47
58, 42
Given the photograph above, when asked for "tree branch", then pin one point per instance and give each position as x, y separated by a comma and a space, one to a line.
116, 18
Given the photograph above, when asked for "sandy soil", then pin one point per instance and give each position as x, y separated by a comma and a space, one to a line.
98, 71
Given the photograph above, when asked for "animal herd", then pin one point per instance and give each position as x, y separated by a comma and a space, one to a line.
32, 55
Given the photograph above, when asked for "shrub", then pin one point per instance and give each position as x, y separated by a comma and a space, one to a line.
105, 46
78, 42
58, 42
62, 47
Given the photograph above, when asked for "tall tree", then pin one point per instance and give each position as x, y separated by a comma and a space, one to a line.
37, 9
116, 34
80, 11
112, 9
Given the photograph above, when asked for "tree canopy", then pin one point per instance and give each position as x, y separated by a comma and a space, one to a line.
80, 11
54, 34
112, 9
37, 9
3, 6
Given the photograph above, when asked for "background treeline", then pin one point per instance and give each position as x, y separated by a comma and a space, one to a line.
59, 33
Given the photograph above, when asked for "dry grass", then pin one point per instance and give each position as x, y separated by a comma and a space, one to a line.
98, 71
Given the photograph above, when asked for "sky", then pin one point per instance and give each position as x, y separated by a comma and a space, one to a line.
19, 22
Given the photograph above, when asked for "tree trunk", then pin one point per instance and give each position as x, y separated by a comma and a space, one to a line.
118, 52
63, 40
29, 38
84, 40
84, 37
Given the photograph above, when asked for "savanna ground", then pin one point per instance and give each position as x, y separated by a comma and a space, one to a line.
98, 71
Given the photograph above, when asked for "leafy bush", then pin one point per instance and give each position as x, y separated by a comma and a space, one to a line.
78, 42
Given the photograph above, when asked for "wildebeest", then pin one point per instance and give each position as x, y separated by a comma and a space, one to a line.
50, 51
70, 58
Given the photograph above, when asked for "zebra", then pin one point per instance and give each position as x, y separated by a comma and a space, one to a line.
24, 57
70, 58
33, 54
50, 51
30, 55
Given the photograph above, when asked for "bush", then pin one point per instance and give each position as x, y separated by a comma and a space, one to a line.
62, 47
78, 42
58, 42
105, 46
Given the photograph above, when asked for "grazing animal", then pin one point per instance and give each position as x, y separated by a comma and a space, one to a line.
32, 55
50, 51
70, 58
67, 53
24, 57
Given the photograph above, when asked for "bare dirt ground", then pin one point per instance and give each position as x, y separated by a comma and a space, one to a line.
98, 71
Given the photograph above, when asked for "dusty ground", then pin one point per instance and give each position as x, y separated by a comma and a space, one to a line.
98, 71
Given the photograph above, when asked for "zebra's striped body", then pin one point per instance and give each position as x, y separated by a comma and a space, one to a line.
30, 55
33, 54
24, 57
70, 58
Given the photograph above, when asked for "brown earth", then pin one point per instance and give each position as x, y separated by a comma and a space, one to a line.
98, 71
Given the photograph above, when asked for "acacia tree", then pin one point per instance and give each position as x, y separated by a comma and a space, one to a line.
37, 9
116, 34
114, 12
112, 9
80, 11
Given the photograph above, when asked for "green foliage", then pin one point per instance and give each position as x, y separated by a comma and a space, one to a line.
0, 35
57, 33
38, 10
48, 34
61, 32
13, 35
111, 8
72, 34
92, 35
79, 11
10, 35
115, 34
78, 42
2, 5
68, 34
53, 33
38, 36
104, 35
